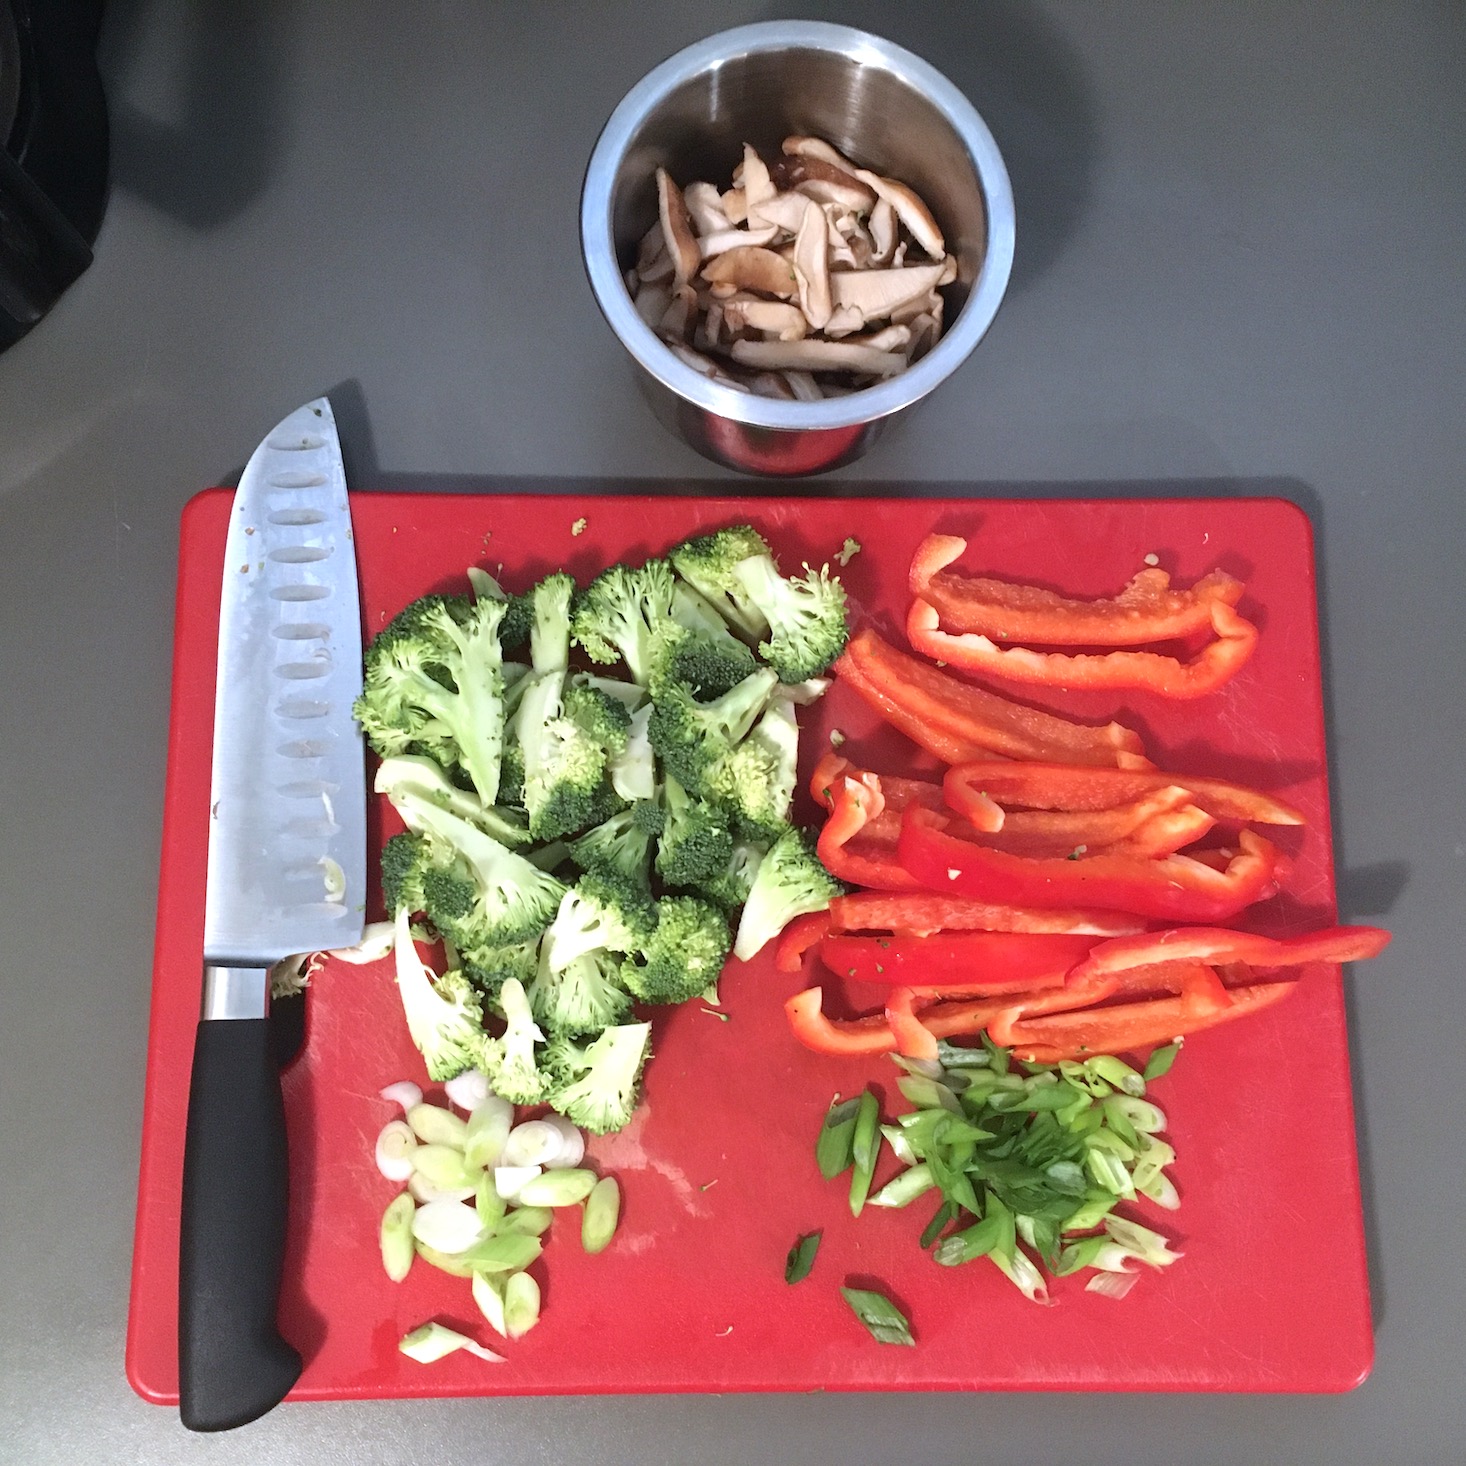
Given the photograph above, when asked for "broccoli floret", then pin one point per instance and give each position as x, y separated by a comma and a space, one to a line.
685, 954
690, 735
620, 846
549, 602
650, 815
511, 778
706, 564
443, 1015
512, 1059
477, 892
708, 665
619, 612
633, 771
402, 862
434, 682
808, 627
584, 997
756, 778
729, 888
600, 912
395, 776
695, 842
488, 967
518, 613
600, 716
790, 882
600, 1081
628, 694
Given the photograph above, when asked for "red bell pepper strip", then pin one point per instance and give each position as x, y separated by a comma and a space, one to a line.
896, 790
856, 803
913, 1039
797, 938
1217, 946
1130, 1027
832, 1036
1214, 665
936, 740
1165, 834
919, 913
976, 716
1147, 610
977, 963
1068, 787
1173, 887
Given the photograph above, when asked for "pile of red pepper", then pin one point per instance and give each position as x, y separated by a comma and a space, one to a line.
1016, 895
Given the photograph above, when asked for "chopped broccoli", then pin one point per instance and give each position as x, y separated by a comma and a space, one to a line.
443, 1016
757, 778
690, 735
584, 997
511, 1060
620, 845
487, 967
434, 683
600, 1081
684, 955
549, 622
729, 888
848, 551
695, 842
428, 781
511, 778
808, 627
619, 612
650, 815
790, 881
633, 771
402, 863
706, 564
628, 694
599, 715
477, 892
708, 665
600, 912
514, 630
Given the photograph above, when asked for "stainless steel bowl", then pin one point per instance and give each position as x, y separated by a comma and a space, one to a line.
882, 107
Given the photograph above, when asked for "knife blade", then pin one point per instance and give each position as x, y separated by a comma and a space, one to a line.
286, 874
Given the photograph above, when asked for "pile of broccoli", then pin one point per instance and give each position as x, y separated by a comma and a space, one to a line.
595, 785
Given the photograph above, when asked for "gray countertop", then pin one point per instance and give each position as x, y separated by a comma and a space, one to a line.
1240, 269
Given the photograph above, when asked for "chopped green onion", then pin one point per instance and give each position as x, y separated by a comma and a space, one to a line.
974, 1242
447, 1226
487, 1131
397, 1244
526, 1221
833, 1149
928, 1094
443, 1168
487, 1202
521, 1305
1160, 1061
801, 1258
433, 1341
1150, 1247
942, 1216
557, 1188
506, 1253
1080, 1254
433, 1125
865, 1146
488, 1293
900, 1146
885, 1322
602, 1211
902, 1190
1119, 1073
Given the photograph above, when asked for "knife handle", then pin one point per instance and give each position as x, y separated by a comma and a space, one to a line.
233, 1365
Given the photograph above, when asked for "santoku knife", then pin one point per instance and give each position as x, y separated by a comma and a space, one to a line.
286, 874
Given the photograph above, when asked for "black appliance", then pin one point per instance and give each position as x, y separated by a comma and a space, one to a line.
53, 154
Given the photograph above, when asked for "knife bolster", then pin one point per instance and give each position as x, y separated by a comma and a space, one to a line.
235, 992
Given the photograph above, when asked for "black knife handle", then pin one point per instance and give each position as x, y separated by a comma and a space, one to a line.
233, 1365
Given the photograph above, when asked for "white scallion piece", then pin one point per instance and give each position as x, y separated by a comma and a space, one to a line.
443, 1168
1112, 1285
521, 1305
572, 1143
434, 1125
424, 1191
487, 1129
509, 1180
557, 1188
467, 1090
534, 1143
395, 1145
447, 1226
433, 1341
490, 1300
404, 1093
397, 1246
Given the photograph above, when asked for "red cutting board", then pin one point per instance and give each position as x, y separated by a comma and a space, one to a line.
717, 1167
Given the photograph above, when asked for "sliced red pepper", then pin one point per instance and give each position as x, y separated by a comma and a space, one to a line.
1130, 1027
1173, 887
1214, 665
856, 803
896, 790
1070, 787
976, 716
832, 1036
977, 963
1147, 610
1165, 834
1217, 946
913, 1038
936, 740
797, 938
919, 913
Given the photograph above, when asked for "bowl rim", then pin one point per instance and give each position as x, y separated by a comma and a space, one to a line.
598, 249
